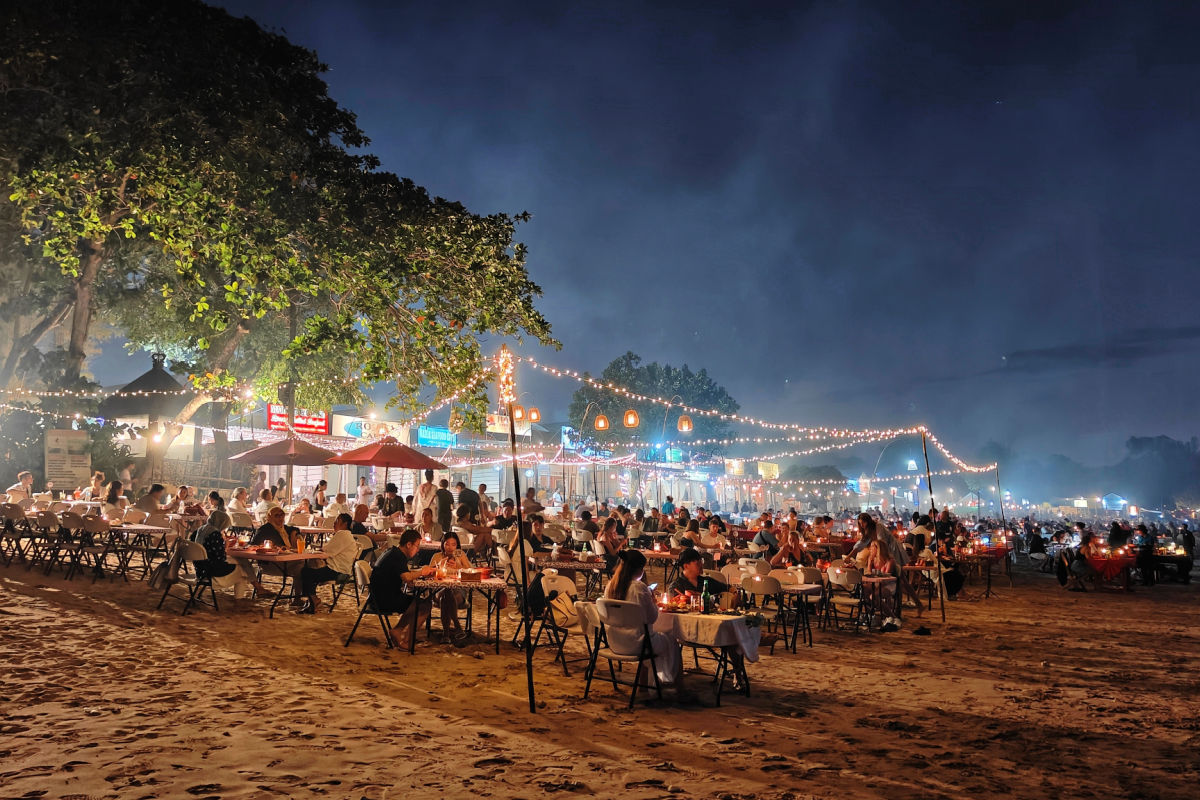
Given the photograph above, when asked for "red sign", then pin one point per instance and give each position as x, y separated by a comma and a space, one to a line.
318, 422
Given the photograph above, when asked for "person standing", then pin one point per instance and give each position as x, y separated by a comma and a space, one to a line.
485, 505
470, 499
668, 508
257, 488
444, 505
364, 494
426, 496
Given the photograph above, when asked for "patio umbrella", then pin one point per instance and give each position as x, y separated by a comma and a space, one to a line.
295, 452
387, 453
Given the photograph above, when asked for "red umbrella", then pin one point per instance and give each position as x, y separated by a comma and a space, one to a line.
387, 452
296, 452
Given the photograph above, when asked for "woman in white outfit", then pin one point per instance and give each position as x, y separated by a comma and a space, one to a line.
627, 584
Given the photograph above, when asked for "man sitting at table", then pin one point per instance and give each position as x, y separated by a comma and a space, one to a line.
338, 507
391, 584
275, 532
767, 537
507, 516
340, 552
691, 576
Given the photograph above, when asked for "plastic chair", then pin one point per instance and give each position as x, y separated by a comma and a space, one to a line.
626, 616
555, 585
845, 593
135, 516
193, 552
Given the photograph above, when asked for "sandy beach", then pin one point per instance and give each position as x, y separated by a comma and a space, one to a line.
1036, 693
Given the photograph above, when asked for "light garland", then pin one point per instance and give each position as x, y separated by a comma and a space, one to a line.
908, 476
734, 417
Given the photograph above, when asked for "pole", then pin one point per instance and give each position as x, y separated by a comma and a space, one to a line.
928, 474
526, 619
291, 489
1004, 525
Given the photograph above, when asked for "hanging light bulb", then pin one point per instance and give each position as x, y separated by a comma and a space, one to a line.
631, 419
534, 414
601, 422
685, 424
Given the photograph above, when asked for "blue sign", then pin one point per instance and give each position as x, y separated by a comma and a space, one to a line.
674, 455
428, 436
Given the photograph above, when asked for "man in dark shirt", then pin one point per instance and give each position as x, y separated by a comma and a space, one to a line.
444, 505
507, 516
390, 502
691, 576
470, 499
391, 580
587, 523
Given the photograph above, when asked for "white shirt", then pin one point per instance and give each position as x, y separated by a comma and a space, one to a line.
365, 494
237, 505
263, 506
340, 552
426, 497
335, 508
17, 492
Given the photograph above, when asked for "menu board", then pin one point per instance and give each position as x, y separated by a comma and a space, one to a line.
68, 460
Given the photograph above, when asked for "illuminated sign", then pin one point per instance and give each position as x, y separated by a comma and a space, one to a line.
735, 466
768, 470
428, 436
912, 465
498, 423
673, 455
314, 422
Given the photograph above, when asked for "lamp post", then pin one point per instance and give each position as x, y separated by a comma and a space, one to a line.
596, 422
506, 386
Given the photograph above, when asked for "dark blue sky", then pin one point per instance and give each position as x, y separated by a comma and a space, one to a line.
865, 214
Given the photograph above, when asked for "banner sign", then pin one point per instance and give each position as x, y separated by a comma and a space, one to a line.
68, 461
312, 422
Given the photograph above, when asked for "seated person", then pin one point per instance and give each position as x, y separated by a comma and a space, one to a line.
151, 502
338, 507
792, 552
767, 538
389, 504
535, 537
338, 565
211, 537
276, 532
429, 530
627, 584
114, 503
214, 501
264, 505
506, 517
482, 542
691, 576
391, 580
610, 542
691, 534
239, 500
450, 558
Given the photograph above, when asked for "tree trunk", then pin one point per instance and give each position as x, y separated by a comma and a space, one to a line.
219, 361
219, 419
23, 343
81, 319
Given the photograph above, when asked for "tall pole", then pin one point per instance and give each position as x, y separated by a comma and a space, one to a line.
928, 473
507, 387
291, 490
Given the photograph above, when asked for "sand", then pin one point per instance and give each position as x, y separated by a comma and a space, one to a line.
1036, 693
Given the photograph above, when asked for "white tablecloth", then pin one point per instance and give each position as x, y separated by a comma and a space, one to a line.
711, 630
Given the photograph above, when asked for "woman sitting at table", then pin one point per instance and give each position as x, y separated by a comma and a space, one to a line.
96, 490
482, 542
451, 558
284, 537
627, 585
114, 503
429, 530
791, 552
238, 501
691, 576
691, 534
217, 566
1074, 568
610, 542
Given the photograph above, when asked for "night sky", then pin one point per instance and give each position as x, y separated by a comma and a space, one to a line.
857, 214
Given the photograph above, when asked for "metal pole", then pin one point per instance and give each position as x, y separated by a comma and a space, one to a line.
291, 490
1004, 525
928, 474
526, 619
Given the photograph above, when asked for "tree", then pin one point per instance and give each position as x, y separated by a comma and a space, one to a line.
199, 178
694, 389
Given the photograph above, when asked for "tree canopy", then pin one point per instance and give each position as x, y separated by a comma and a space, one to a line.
186, 174
695, 389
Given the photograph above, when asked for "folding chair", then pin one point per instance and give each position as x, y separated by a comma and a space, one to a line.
338, 585
240, 521
362, 579
557, 628
52, 537
196, 584
135, 516
845, 594
628, 616
18, 533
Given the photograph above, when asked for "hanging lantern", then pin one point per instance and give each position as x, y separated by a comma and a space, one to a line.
518, 412
601, 422
534, 414
631, 419
685, 424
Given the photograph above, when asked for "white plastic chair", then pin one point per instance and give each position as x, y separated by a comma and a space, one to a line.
629, 618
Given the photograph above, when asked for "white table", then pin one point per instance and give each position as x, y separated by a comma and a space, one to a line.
727, 636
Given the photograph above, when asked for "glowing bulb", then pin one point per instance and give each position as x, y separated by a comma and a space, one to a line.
601, 422
630, 419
